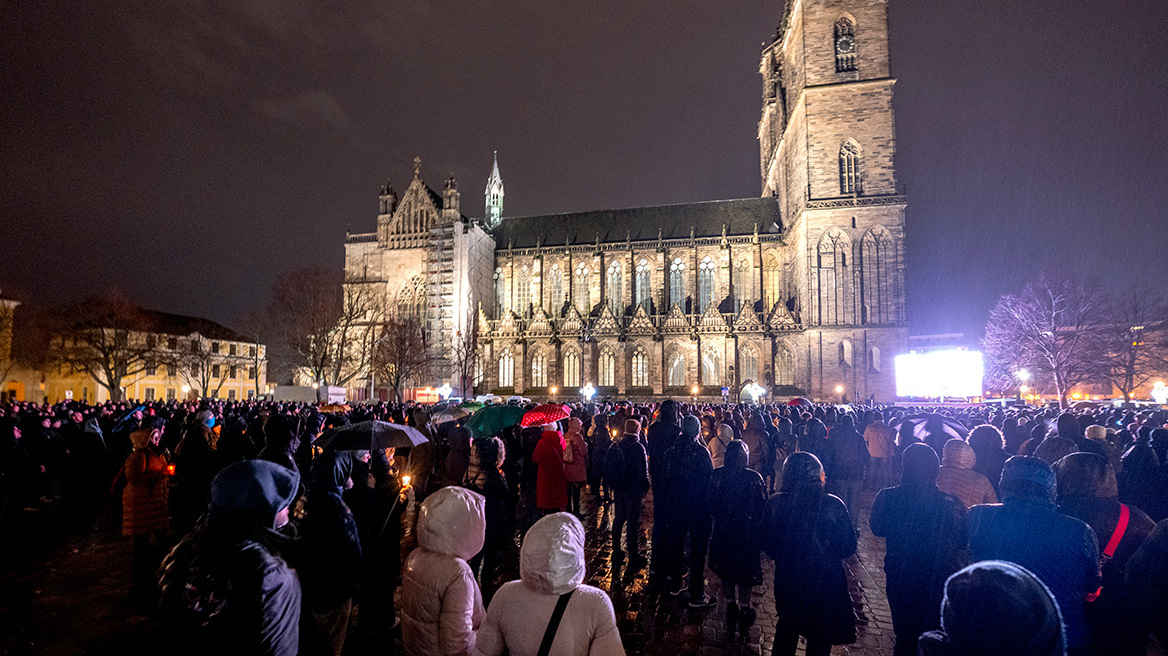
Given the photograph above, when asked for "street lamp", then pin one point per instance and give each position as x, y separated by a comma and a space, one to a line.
588, 391
553, 390
186, 390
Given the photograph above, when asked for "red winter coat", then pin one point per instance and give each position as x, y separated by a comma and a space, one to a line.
551, 487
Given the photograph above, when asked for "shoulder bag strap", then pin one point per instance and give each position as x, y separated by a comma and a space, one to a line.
1117, 534
549, 636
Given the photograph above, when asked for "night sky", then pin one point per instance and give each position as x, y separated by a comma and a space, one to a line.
188, 151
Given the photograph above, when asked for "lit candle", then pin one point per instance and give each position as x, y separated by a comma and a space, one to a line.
405, 480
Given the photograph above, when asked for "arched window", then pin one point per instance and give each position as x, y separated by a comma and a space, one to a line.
644, 287
411, 300
500, 293
748, 365
771, 282
556, 287
539, 370
878, 277
676, 376
615, 289
711, 368
832, 269
845, 353
506, 370
479, 370
640, 368
845, 45
784, 366
523, 292
571, 369
677, 283
580, 289
849, 168
607, 373
743, 283
705, 283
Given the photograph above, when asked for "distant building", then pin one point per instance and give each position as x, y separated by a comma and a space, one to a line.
177, 357
801, 290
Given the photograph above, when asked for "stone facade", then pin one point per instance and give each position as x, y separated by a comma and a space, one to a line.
801, 290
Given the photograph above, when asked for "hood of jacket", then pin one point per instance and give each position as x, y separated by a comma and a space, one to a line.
957, 453
452, 522
331, 470
253, 492
552, 558
141, 438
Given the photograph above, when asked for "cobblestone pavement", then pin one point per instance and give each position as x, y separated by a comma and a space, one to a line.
70, 593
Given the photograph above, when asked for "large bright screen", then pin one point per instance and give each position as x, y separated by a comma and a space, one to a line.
939, 373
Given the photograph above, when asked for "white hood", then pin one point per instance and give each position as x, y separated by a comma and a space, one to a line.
552, 558
452, 522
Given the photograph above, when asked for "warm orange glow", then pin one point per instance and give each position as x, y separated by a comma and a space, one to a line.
170, 469
405, 480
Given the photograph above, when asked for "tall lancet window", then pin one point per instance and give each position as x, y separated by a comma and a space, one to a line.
849, 168
644, 287
845, 45
615, 292
705, 284
677, 283
581, 290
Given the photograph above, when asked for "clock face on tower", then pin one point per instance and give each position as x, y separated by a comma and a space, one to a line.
845, 44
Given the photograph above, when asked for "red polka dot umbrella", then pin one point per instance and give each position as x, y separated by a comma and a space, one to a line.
548, 413
799, 400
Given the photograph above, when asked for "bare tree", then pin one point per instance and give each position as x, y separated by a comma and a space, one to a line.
323, 323
108, 338
401, 353
205, 367
1056, 329
464, 353
1137, 338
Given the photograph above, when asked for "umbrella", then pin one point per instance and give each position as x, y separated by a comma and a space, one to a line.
335, 407
545, 414
451, 414
471, 405
924, 425
369, 436
1084, 405
493, 419
800, 401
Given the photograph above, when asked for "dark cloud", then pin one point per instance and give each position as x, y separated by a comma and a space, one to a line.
307, 110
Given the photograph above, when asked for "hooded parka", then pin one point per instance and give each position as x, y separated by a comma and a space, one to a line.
551, 564
442, 607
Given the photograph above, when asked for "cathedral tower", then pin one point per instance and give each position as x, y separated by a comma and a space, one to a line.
494, 196
827, 148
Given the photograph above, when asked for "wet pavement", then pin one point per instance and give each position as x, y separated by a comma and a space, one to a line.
69, 593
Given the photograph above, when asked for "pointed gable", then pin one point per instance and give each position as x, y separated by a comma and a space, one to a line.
484, 323
642, 324
781, 319
572, 323
675, 322
712, 321
607, 323
539, 325
747, 320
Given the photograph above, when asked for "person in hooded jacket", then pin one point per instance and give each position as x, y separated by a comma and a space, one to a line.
1087, 490
663, 434
485, 477
808, 533
684, 490
551, 566
458, 457
996, 607
333, 565
926, 532
551, 487
737, 497
442, 608
382, 550
629, 494
226, 588
844, 460
717, 446
990, 447
283, 440
145, 500
957, 477
1143, 483
1027, 529
576, 465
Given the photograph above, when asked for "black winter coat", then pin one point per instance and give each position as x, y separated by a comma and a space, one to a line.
808, 535
333, 565
661, 438
685, 487
737, 499
227, 590
845, 455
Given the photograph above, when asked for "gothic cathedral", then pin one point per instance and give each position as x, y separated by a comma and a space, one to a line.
800, 290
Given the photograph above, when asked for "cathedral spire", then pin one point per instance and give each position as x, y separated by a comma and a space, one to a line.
494, 196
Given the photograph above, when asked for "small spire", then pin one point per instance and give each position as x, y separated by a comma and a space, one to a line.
417, 167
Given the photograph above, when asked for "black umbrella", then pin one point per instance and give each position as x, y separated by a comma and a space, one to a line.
370, 436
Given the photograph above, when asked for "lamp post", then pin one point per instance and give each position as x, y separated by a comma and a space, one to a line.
1024, 378
695, 389
588, 391
186, 390
553, 390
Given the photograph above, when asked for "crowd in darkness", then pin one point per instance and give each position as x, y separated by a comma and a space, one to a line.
1028, 531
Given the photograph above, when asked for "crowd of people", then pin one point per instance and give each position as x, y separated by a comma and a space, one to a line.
1019, 530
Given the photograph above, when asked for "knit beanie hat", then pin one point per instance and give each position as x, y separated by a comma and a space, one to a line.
690, 426
1028, 477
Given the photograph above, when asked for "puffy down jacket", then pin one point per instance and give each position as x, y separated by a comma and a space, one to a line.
441, 603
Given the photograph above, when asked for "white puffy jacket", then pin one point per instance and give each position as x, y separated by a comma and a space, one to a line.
441, 603
550, 564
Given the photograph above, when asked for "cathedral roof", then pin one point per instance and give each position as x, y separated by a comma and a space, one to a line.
705, 219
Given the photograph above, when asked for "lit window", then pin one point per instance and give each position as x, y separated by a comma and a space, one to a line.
506, 369
571, 369
640, 368
771, 290
539, 371
705, 284
849, 167
845, 45
644, 287
556, 298
677, 371
581, 289
711, 368
743, 284
677, 282
614, 291
500, 293
748, 360
523, 293
607, 374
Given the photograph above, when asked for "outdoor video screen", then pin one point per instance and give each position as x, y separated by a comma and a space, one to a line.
939, 373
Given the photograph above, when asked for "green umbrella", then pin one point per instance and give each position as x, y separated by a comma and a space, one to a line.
471, 405
493, 419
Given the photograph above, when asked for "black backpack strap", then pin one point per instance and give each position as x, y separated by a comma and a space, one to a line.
549, 636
